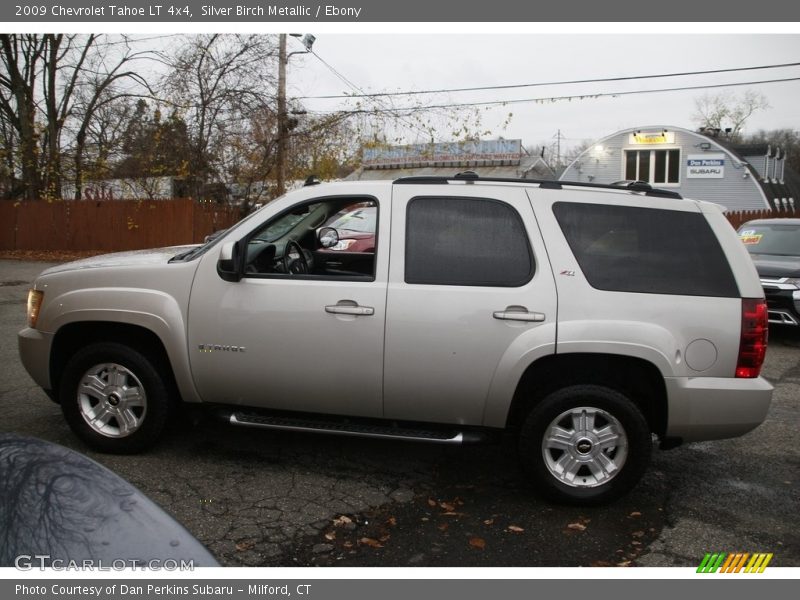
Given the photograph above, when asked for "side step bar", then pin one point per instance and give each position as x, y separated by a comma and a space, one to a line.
356, 429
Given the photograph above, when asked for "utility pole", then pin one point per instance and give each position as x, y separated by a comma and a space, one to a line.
280, 178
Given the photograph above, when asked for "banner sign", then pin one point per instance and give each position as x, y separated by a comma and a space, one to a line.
464, 154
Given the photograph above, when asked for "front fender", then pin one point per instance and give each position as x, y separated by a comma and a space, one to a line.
152, 310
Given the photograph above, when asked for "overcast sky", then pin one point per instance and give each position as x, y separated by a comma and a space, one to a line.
402, 62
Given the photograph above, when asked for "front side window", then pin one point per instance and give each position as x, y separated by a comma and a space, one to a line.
289, 245
653, 166
466, 241
646, 250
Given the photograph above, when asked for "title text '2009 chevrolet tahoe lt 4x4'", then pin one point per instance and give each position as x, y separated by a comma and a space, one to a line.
584, 318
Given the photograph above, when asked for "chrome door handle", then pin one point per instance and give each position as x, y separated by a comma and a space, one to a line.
518, 315
347, 309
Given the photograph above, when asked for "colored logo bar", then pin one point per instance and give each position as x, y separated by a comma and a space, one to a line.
737, 562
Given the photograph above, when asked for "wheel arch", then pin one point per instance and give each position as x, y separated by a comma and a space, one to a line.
638, 379
76, 335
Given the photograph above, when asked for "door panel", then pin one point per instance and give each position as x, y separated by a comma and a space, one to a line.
445, 342
291, 343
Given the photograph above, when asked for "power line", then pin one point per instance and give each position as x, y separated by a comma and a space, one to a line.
381, 106
560, 98
541, 84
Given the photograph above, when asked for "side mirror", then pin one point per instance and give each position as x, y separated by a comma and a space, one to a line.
229, 262
328, 237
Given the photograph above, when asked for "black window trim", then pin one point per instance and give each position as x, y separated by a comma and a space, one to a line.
528, 277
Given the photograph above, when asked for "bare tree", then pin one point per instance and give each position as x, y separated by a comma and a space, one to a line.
218, 80
727, 111
53, 84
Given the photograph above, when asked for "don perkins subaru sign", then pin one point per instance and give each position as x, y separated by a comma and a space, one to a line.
705, 165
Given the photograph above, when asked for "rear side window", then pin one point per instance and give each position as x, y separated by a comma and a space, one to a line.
646, 250
466, 241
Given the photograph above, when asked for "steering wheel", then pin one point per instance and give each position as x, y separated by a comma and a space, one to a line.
295, 265
263, 260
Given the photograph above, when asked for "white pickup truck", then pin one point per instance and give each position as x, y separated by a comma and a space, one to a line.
584, 318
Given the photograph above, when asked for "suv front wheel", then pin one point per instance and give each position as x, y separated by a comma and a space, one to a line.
585, 444
114, 398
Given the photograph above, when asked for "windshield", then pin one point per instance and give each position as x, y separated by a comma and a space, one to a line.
777, 240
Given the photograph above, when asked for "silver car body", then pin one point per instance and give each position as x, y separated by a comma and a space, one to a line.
425, 353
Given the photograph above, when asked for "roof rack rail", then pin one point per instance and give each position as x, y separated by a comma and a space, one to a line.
470, 177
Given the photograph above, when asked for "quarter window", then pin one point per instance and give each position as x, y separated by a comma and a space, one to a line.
653, 166
646, 250
466, 241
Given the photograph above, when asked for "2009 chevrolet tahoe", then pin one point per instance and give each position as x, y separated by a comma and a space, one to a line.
584, 318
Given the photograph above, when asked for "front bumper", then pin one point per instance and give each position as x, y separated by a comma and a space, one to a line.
783, 301
34, 351
712, 408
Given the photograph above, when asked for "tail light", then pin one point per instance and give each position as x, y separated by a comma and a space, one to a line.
753, 343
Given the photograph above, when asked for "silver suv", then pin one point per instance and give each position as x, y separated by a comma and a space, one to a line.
584, 318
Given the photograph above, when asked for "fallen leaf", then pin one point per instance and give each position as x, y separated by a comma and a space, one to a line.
431, 502
638, 534
601, 563
624, 563
515, 529
331, 535
447, 506
452, 514
489, 522
391, 521
370, 542
245, 545
348, 544
477, 542
343, 520
576, 526
635, 513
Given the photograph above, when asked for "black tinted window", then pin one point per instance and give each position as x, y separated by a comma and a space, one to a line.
630, 249
466, 241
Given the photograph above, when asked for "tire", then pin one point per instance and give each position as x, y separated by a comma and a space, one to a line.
114, 398
585, 444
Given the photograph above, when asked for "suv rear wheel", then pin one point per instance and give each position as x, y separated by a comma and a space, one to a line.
114, 398
585, 444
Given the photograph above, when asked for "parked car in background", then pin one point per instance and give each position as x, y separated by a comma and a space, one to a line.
774, 246
356, 228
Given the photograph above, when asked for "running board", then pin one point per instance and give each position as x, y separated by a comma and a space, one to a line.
368, 430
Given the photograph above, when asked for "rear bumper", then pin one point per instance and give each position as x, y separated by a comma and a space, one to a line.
712, 408
34, 352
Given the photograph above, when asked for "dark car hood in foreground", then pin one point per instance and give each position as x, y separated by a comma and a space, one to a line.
775, 267
60, 504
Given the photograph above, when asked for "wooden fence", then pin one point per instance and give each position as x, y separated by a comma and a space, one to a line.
108, 226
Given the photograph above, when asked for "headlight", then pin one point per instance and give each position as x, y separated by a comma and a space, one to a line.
35, 298
343, 244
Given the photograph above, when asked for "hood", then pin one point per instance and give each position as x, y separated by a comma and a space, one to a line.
775, 266
122, 259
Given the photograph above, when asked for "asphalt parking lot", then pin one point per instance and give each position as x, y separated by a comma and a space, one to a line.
279, 499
